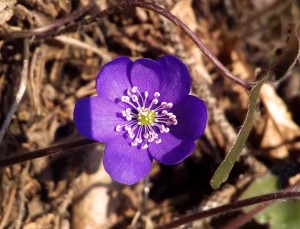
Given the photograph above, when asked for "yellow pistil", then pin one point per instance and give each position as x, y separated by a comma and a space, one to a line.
146, 117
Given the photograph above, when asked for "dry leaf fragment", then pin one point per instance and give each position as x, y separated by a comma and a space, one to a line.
184, 11
279, 114
6, 10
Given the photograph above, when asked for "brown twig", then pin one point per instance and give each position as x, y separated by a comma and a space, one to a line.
63, 21
101, 52
241, 220
194, 38
231, 207
51, 29
45, 152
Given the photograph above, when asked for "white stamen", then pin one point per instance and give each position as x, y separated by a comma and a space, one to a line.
125, 99
164, 112
135, 98
134, 89
172, 116
145, 146
145, 119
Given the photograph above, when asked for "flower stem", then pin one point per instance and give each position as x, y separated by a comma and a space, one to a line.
192, 35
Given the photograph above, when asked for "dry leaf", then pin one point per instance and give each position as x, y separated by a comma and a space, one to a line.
279, 113
183, 10
6, 10
281, 128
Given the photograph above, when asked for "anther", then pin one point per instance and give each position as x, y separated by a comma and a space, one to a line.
164, 112
135, 98
128, 128
146, 94
170, 105
125, 99
143, 119
118, 128
133, 143
131, 135
155, 101
145, 146
134, 89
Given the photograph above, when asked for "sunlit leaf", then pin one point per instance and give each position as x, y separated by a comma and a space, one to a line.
279, 214
225, 167
280, 67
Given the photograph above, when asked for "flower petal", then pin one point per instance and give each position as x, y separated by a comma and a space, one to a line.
177, 79
124, 163
191, 114
96, 118
172, 149
147, 75
113, 80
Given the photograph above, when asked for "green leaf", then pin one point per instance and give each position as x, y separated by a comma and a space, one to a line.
280, 67
222, 173
279, 214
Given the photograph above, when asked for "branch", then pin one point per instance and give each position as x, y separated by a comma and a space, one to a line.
231, 207
45, 152
194, 38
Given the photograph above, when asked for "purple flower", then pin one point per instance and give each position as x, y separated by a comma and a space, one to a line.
143, 111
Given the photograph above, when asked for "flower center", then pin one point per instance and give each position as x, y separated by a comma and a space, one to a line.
146, 118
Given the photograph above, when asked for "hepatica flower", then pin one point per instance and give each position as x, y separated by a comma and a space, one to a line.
144, 112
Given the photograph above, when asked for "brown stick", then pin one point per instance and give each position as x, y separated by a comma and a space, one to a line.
231, 207
45, 152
